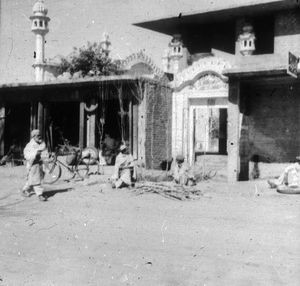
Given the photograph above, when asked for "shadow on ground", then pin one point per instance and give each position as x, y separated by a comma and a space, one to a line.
51, 192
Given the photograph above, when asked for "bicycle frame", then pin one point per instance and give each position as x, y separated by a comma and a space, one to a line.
70, 168
54, 166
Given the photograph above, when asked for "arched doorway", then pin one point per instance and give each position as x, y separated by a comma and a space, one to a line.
200, 102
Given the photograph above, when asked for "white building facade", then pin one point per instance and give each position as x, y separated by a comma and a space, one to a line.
200, 100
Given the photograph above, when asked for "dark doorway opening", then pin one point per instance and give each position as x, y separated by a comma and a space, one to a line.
113, 122
116, 127
17, 125
62, 123
210, 131
223, 131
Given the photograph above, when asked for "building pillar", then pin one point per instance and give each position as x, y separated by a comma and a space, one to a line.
245, 150
46, 125
91, 123
142, 126
33, 115
192, 119
81, 124
174, 125
185, 135
91, 130
2, 129
130, 137
40, 117
135, 130
233, 131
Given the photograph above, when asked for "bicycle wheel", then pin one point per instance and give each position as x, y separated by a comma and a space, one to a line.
69, 173
52, 172
82, 170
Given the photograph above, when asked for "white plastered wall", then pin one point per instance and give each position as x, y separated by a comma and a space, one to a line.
204, 86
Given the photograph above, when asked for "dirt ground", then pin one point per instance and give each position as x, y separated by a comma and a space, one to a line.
90, 234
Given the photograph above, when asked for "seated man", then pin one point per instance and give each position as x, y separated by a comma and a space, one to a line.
181, 173
125, 170
290, 176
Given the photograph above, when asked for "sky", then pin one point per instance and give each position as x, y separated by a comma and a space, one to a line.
74, 22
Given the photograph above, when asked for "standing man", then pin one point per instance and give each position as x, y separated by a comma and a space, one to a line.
34, 153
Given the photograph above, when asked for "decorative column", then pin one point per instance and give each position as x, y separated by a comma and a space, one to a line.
233, 131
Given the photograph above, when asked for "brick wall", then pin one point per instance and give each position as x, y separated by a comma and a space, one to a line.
287, 32
273, 123
158, 144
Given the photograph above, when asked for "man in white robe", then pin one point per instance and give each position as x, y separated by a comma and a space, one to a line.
35, 152
125, 169
290, 176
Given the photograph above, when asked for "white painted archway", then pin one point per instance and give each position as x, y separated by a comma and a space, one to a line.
199, 86
140, 58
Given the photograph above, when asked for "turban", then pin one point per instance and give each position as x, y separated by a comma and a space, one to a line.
179, 158
35, 133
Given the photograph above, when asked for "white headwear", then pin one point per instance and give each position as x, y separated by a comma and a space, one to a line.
35, 132
123, 147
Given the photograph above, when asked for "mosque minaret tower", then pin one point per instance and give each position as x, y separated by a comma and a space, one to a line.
40, 28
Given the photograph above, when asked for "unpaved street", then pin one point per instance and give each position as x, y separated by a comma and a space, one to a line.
90, 234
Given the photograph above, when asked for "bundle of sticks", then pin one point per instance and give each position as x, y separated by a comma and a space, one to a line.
168, 190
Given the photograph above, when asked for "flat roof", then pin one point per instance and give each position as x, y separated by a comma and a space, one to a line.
258, 65
212, 13
77, 82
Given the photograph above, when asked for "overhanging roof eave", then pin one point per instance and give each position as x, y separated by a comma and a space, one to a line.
240, 73
170, 24
76, 82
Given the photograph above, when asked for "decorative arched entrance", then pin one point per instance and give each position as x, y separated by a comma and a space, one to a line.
200, 101
141, 64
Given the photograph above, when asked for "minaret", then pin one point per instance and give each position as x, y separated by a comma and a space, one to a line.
105, 44
246, 40
175, 52
39, 27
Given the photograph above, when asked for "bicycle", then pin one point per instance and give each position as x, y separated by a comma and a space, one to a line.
74, 165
